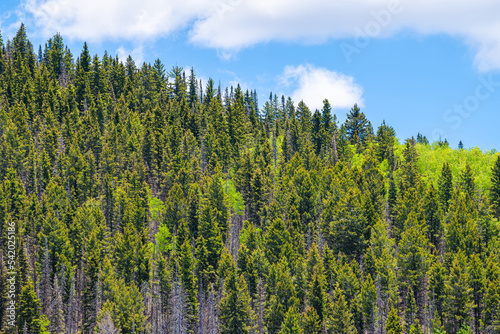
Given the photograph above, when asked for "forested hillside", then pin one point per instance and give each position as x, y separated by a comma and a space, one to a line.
142, 200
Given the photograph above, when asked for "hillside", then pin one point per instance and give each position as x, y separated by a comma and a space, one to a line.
136, 199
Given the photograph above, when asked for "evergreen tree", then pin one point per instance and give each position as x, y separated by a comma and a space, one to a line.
437, 277
385, 138
445, 186
311, 321
29, 311
291, 325
393, 324
340, 320
433, 216
316, 134
236, 315
467, 181
458, 302
495, 189
358, 128
368, 304
491, 298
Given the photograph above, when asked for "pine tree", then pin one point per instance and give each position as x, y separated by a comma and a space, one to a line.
458, 302
236, 121
358, 128
304, 116
461, 231
328, 122
411, 173
445, 186
291, 325
317, 293
385, 138
433, 218
495, 188
29, 311
236, 315
340, 320
437, 277
185, 273
175, 208
491, 297
467, 181
413, 257
209, 244
368, 304
411, 310
477, 280
415, 328
311, 321
218, 201
393, 324
316, 134
275, 238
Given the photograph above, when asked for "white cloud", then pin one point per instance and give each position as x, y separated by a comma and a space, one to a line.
314, 84
230, 25
95, 20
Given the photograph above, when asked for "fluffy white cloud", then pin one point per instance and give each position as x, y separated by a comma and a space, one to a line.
95, 20
230, 25
314, 84
313, 21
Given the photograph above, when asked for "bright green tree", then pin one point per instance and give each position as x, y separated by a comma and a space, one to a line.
393, 323
291, 324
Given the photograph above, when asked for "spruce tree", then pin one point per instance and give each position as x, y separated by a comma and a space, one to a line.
236, 315
495, 188
445, 183
340, 320
358, 127
393, 324
291, 324
29, 311
458, 302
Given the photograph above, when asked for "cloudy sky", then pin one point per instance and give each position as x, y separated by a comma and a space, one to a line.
428, 66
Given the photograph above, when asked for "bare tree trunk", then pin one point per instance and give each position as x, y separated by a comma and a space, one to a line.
335, 157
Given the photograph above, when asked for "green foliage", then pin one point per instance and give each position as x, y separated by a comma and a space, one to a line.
164, 239
29, 311
458, 302
236, 313
340, 320
393, 324
235, 199
495, 188
156, 207
291, 324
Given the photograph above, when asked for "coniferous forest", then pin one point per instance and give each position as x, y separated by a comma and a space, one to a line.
142, 200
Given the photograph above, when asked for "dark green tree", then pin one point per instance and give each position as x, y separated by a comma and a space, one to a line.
445, 186
358, 128
495, 188
236, 315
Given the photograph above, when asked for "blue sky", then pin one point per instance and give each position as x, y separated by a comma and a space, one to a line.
430, 66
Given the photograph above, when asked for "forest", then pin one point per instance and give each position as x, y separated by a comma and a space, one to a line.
139, 199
